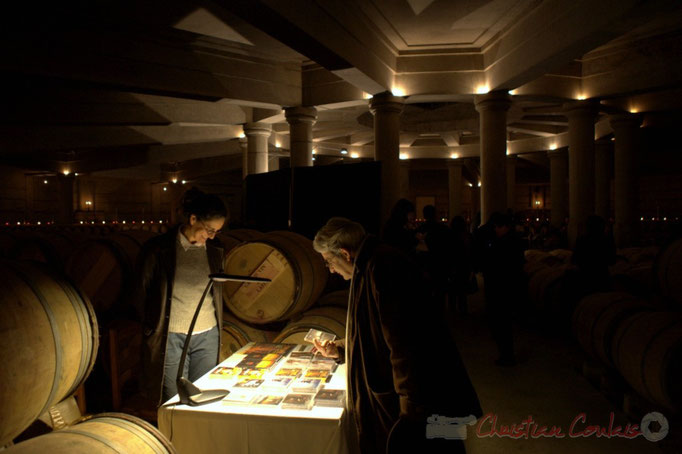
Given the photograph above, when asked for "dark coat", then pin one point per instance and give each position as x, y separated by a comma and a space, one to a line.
402, 362
156, 274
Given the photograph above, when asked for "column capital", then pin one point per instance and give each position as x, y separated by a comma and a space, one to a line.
258, 129
558, 153
625, 121
495, 100
300, 114
604, 144
512, 157
582, 108
386, 102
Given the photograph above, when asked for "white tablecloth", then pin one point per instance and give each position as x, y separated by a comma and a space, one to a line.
220, 428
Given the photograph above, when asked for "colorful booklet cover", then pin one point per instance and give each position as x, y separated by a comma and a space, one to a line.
330, 398
322, 363
298, 401
289, 372
225, 372
269, 401
317, 373
248, 383
306, 385
251, 373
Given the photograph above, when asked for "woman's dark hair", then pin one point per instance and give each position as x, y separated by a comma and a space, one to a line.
204, 206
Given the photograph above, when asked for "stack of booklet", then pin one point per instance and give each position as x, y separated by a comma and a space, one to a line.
330, 398
298, 401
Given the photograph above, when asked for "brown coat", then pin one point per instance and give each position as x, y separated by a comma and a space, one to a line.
402, 362
156, 273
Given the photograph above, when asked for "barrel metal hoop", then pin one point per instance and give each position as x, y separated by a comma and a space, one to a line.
148, 438
85, 333
105, 441
670, 323
55, 335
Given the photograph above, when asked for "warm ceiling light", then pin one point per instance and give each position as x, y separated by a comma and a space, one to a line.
552, 146
44, 181
87, 202
366, 95
404, 156
184, 181
174, 180
581, 97
313, 158
482, 89
454, 155
479, 184
242, 135
470, 185
512, 92
66, 172
397, 91
124, 222
165, 188
344, 151
633, 110
314, 150
75, 174
277, 145
354, 155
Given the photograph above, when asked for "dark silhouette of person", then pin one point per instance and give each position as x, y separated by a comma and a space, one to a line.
399, 230
593, 253
462, 266
436, 259
392, 345
502, 266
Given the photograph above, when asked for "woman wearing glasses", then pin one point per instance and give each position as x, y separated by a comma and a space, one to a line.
173, 271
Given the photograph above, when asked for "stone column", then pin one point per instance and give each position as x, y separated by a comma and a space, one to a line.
511, 182
454, 189
244, 145
386, 109
492, 108
476, 220
405, 179
301, 121
603, 163
581, 115
65, 199
558, 171
626, 131
257, 135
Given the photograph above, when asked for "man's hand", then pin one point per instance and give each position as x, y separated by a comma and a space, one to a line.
328, 349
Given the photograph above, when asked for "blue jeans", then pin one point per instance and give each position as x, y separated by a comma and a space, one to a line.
202, 356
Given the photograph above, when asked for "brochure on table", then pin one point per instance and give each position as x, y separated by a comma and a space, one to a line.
280, 380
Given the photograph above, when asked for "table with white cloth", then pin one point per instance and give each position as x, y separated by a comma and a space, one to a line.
224, 428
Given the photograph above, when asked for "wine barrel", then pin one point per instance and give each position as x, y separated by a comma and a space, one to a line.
103, 268
668, 269
647, 351
48, 343
236, 334
103, 433
243, 234
544, 286
329, 319
598, 316
298, 277
50, 248
338, 298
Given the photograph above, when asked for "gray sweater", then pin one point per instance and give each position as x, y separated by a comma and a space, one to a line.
191, 277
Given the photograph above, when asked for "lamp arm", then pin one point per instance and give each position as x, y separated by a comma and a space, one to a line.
185, 347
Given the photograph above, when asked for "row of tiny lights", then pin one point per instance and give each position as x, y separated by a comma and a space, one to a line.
85, 222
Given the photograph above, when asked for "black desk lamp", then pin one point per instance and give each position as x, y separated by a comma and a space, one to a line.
190, 394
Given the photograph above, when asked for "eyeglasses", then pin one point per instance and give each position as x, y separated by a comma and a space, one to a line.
209, 230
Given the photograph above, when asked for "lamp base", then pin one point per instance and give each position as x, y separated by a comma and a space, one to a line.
191, 395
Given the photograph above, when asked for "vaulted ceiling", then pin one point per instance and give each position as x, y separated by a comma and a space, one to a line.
128, 88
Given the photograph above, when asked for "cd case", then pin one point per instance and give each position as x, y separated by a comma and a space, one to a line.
320, 336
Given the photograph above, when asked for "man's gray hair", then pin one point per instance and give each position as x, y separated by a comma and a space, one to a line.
339, 233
